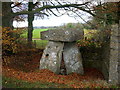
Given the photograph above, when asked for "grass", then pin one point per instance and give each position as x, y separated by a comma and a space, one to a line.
40, 43
8, 82
36, 33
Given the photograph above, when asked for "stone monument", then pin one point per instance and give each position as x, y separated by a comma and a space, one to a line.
62, 46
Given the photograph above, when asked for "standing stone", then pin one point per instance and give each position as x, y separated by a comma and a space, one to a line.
52, 56
72, 58
114, 67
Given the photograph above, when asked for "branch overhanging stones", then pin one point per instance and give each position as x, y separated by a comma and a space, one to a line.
62, 42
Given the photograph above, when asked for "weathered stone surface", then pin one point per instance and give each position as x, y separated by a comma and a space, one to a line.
114, 39
113, 72
105, 60
114, 53
72, 58
114, 75
62, 35
115, 30
52, 56
114, 45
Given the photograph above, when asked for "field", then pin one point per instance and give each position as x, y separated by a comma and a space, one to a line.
36, 38
36, 33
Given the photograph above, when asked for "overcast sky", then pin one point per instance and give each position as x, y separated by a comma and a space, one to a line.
52, 21
55, 21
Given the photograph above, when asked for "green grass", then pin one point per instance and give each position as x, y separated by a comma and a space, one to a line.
15, 83
36, 33
40, 43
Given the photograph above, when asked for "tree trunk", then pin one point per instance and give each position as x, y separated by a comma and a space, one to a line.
30, 27
7, 15
30, 23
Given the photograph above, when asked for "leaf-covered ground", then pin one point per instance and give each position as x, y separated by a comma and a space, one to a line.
30, 72
92, 77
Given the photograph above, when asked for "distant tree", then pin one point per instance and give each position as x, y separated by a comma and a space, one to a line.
46, 8
72, 25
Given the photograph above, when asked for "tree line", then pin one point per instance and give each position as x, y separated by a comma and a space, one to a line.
103, 14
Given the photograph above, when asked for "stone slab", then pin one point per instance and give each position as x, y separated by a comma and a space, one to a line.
72, 58
52, 56
62, 35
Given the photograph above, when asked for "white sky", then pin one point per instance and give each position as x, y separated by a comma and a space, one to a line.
52, 21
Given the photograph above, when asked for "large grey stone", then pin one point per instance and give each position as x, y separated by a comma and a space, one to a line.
114, 75
113, 72
62, 35
52, 56
72, 58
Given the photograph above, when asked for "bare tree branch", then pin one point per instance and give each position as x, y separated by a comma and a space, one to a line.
53, 12
57, 6
83, 19
54, 5
88, 11
17, 4
27, 12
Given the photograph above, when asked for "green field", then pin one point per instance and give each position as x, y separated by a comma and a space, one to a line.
36, 33
40, 43
36, 38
